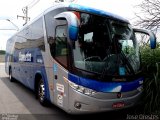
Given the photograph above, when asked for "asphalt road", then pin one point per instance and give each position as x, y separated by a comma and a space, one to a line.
18, 103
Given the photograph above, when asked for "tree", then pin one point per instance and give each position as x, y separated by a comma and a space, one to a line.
149, 17
2, 52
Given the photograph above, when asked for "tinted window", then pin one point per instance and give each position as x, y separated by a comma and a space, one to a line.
50, 25
105, 46
31, 37
60, 50
37, 38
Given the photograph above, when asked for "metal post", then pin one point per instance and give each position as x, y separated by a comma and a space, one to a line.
25, 17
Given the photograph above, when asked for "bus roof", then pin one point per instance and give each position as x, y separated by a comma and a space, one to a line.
78, 7
97, 11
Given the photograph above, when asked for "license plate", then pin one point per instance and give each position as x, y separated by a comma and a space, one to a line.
118, 105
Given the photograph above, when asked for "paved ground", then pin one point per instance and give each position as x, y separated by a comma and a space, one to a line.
18, 102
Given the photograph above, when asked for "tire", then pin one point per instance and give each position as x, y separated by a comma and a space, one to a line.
10, 75
42, 96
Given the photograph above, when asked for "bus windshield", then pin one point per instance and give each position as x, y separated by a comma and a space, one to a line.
105, 46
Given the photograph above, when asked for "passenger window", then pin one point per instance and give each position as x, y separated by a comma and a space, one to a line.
61, 50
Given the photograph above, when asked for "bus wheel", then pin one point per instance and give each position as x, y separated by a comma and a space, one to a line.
42, 93
10, 75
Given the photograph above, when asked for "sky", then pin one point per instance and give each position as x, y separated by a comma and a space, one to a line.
9, 9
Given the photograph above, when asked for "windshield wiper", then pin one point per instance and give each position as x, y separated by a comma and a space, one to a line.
107, 59
125, 61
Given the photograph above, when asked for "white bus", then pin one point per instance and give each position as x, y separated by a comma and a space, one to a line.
81, 59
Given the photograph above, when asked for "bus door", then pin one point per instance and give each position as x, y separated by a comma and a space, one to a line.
60, 66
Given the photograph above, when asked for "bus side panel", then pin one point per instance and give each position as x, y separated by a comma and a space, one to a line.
49, 33
60, 86
28, 67
9, 53
16, 67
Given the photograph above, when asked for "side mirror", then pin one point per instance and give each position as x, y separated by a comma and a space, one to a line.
72, 24
152, 36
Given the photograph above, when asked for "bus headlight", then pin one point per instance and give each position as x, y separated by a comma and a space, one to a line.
73, 85
81, 89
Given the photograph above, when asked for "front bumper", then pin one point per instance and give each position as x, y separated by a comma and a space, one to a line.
82, 104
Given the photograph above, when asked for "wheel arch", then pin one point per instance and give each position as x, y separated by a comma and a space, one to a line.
39, 75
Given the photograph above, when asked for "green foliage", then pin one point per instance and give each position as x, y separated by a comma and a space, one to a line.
150, 57
2, 52
151, 65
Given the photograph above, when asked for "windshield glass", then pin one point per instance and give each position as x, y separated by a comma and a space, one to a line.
105, 46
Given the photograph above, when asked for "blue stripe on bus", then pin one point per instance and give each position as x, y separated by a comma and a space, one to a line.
106, 86
97, 11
